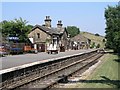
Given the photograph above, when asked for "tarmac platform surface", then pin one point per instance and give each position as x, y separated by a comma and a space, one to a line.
17, 60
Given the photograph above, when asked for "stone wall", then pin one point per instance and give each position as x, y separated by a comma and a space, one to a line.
42, 36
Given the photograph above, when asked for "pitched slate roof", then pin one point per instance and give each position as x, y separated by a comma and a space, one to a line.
50, 31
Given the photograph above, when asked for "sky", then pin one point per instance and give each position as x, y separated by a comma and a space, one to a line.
88, 16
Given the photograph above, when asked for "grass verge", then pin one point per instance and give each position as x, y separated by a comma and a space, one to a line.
105, 76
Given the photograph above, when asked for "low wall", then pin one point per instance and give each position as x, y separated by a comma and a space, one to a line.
20, 71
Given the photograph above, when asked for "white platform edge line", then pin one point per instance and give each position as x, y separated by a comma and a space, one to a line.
38, 62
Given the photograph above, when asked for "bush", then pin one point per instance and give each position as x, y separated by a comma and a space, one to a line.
92, 45
98, 46
97, 34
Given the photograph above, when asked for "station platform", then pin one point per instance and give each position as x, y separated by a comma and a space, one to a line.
21, 61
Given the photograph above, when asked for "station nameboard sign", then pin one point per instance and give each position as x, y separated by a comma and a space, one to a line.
13, 38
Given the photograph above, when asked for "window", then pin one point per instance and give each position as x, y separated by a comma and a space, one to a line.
38, 35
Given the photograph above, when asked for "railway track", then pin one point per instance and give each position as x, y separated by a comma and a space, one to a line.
77, 67
49, 80
48, 75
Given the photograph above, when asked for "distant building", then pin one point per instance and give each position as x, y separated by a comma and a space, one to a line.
44, 35
80, 42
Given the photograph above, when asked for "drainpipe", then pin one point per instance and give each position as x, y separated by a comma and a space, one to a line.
35, 45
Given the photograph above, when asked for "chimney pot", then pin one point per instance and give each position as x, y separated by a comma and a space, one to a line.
59, 22
48, 22
48, 17
59, 25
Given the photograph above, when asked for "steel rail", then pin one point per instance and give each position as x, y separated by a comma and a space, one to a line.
53, 73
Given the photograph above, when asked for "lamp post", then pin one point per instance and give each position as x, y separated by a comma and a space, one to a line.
68, 44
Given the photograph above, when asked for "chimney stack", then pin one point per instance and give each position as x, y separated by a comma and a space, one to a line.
59, 25
48, 22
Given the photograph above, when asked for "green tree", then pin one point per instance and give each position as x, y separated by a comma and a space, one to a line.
92, 45
73, 30
6, 28
103, 40
112, 15
29, 28
97, 34
16, 27
98, 46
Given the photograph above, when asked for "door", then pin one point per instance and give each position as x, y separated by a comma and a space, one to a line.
42, 47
